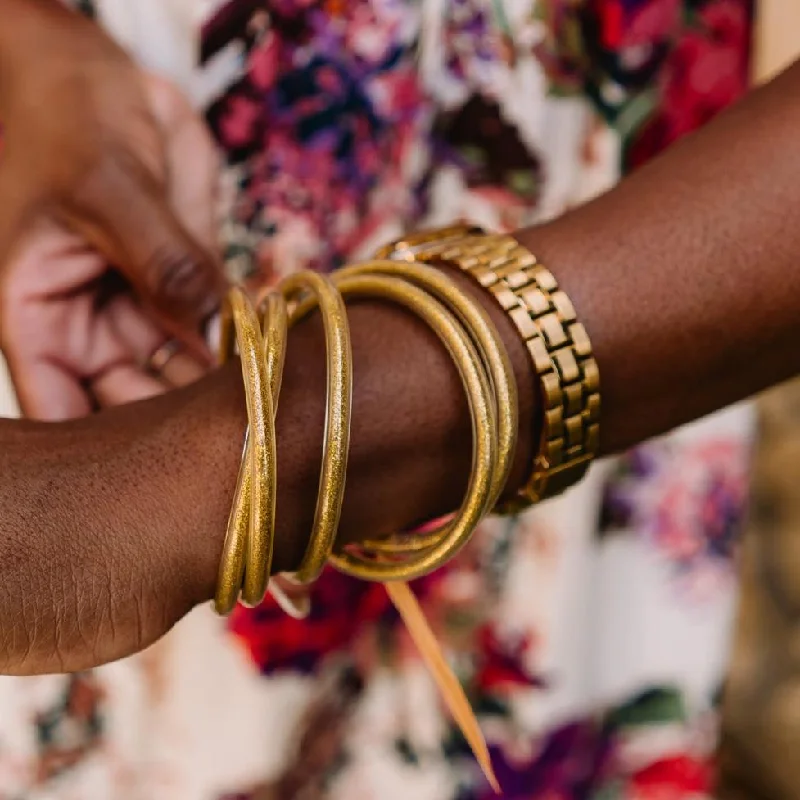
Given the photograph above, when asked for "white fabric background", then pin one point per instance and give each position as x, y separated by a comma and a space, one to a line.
8, 403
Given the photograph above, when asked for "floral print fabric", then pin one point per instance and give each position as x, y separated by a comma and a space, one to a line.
589, 633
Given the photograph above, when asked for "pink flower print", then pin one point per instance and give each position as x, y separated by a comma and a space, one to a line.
264, 62
368, 37
697, 513
687, 500
329, 81
238, 126
704, 72
701, 78
652, 22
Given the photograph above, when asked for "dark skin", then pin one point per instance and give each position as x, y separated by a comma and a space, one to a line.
112, 526
130, 562
686, 273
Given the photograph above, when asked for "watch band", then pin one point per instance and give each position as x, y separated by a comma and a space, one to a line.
557, 342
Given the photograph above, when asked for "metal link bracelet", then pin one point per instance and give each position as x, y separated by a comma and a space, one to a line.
557, 342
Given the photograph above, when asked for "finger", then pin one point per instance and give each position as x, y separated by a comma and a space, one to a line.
15, 205
182, 369
193, 163
125, 383
47, 391
143, 339
74, 343
173, 365
131, 326
47, 261
43, 262
125, 212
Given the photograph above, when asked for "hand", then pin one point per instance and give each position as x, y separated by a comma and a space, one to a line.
107, 190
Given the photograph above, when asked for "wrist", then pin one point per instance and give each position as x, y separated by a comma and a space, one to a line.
411, 438
410, 447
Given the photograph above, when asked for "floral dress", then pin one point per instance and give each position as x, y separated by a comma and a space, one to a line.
590, 633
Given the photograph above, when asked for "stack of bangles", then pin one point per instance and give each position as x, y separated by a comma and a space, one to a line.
406, 275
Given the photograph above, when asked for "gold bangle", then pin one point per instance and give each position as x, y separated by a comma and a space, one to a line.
479, 497
247, 551
275, 330
478, 351
261, 546
321, 292
558, 344
251, 525
232, 561
478, 325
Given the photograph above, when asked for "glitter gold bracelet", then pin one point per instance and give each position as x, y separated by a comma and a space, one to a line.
486, 373
475, 346
339, 402
251, 524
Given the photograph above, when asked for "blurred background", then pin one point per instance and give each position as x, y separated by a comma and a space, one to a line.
761, 709
665, 656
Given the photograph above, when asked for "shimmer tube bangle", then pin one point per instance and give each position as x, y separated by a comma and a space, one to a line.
497, 365
479, 495
247, 551
339, 401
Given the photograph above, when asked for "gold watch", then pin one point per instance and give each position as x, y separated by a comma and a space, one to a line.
558, 344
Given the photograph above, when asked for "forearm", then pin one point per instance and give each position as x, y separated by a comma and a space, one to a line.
111, 527
686, 275
105, 525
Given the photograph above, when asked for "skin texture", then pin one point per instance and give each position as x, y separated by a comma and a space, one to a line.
685, 277
112, 526
686, 273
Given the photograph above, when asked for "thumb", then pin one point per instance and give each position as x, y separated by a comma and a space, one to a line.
128, 218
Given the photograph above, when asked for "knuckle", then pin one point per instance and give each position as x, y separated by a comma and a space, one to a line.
174, 275
169, 103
